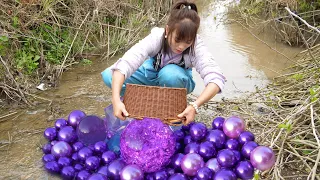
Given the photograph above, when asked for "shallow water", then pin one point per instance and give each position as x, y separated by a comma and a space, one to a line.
246, 63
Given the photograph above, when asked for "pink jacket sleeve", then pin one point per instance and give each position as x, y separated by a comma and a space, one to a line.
137, 54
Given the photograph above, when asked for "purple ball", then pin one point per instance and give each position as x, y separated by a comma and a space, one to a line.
64, 161
204, 173
108, 156
179, 135
192, 148
47, 148
48, 158
97, 176
148, 143
77, 146
191, 163
198, 131
217, 137
92, 163
83, 175
91, 129
247, 148
178, 176
179, 147
115, 168
75, 157
207, 150
224, 174
78, 167
170, 171
50, 133
237, 155
176, 162
160, 175
213, 164
233, 127
60, 123
149, 176
61, 149
131, 172
74, 117
232, 144
187, 140
245, 137
262, 158
68, 172
244, 170
103, 170
53, 142
84, 153
226, 158
52, 167
100, 147
217, 123
67, 134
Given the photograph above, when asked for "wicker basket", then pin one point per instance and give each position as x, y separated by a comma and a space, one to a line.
155, 102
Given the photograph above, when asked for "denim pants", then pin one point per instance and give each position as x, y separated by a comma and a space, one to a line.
170, 75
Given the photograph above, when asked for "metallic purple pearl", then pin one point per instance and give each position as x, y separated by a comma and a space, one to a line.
68, 172
245, 137
100, 147
92, 163
204, 173
179, 135
217, 137
50, 133
160, 175
226, 158
52, 167
67, 134
198, 131
47, 148
77, 146
232, 144
64, 161
192, 148
217, 123
247, 148
108, 156
60, 123
78, 167
187, 140
84, 153
178, 176
48, 158
83, 175
207, 150
75, 157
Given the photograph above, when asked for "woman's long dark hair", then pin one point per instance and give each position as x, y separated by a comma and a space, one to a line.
184, 21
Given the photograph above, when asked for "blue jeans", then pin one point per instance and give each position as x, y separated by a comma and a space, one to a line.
170, 75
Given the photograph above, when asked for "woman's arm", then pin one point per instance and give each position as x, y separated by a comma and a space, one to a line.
119, 109
209, 92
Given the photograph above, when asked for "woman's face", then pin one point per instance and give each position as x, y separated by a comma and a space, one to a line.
176, 45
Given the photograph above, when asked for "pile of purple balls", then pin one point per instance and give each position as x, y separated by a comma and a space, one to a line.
77, 148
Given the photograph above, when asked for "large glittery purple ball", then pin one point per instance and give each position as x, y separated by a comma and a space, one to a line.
147, 143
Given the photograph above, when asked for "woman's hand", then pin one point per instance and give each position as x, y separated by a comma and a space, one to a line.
189, 113
119, 110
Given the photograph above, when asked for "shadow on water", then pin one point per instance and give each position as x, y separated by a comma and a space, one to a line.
246, 62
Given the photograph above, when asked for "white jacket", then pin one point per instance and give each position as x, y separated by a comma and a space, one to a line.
202, 59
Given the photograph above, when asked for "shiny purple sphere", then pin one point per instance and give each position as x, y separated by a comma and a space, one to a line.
224, 174
191, 163
53, 142
47, 148
178, 176
92, 163
217, 123
160, 175
67, 134
68, 172
233, 127
77, 146
52, 167
237, 155
170, 171
100, 147
61, 149
60, 123
179, 135
217, 137
262, 158
204, 173
74, 117
247, 148
75, 157
244, 170
83, 175
176, 162
198, 131
187, 139
192, 148
115, 168
84, 153
50, 133
108, 156
207, 150
48, 158
213, 164
232, 144
97, 176
91, 129
78, 167
64, 161
245, 137
226, 158
103, 170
